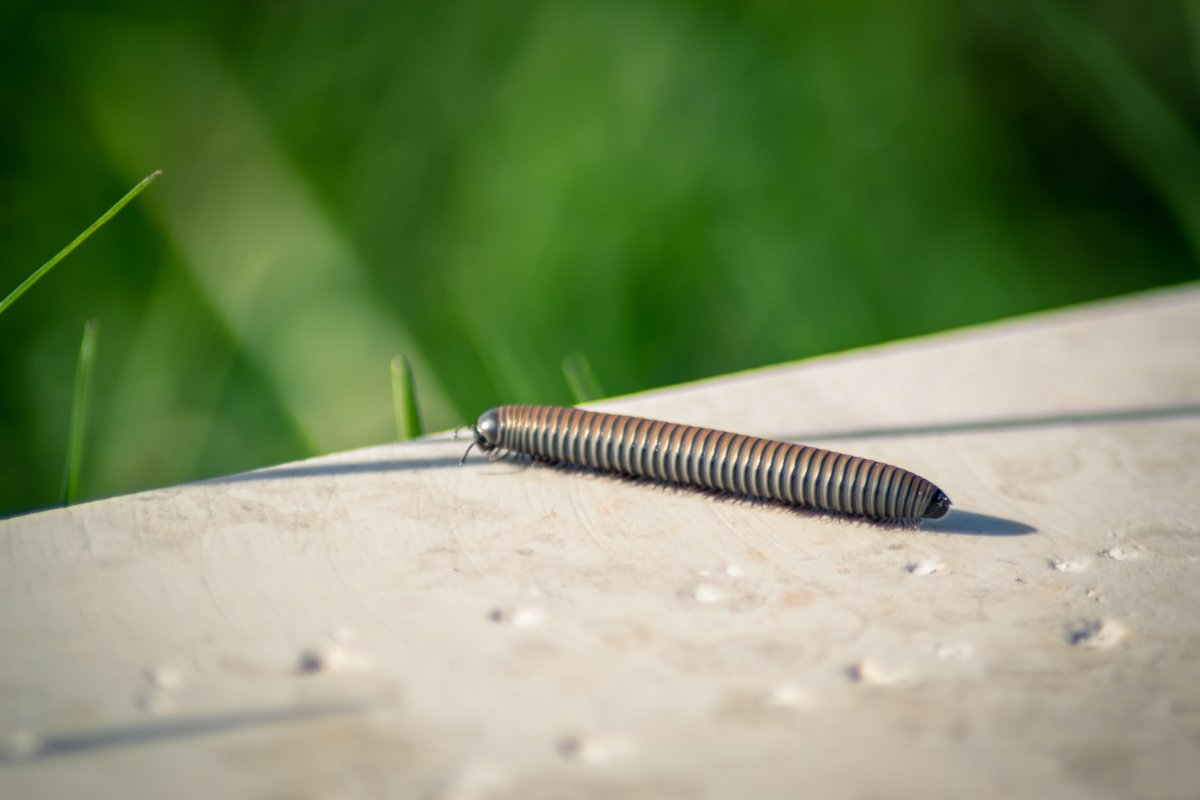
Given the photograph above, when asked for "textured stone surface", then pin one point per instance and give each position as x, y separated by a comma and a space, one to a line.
385, 622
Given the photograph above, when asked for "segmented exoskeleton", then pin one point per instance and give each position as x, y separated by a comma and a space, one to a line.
731, 463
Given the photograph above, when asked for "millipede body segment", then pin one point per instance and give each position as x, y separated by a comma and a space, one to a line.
687, 455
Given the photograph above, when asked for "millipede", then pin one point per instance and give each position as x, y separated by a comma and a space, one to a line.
727, 463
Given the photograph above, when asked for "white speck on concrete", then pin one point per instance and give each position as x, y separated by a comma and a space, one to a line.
333, 658
924, 567
872, 673
1068, 565
519, 616
707, 593
956, 651
788, 695
527, 617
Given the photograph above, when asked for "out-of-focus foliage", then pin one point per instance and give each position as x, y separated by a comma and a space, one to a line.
674, 190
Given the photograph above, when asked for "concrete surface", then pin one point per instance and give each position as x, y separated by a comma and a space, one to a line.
385, 623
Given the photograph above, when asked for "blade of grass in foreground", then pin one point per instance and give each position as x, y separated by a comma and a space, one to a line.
404, 399
581, 378
80, 239
79, 410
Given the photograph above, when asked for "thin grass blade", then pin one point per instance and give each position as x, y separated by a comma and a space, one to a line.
80, 404
404, 400
80, 239
581, 378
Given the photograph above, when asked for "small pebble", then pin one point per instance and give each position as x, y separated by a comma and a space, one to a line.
1096, 634
1074, 565
594, 750
333, 658
519, 616
872, 673
1119, 554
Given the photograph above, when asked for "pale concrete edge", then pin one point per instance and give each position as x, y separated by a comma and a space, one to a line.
1134, 303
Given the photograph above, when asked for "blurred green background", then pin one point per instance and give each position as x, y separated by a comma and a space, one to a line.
673, 189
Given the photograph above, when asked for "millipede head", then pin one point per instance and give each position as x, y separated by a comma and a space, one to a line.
487, 430
939, 504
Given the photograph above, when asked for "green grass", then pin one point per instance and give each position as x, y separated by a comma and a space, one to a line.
41, 271
404, 401
677, 190
80, 405
81, 396
581, 378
